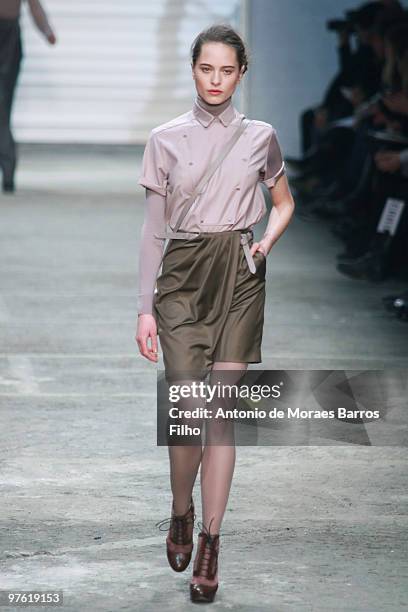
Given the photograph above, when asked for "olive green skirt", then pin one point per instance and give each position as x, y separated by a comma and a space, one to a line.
209, 306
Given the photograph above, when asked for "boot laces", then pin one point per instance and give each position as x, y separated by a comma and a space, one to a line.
178, 526
207, 550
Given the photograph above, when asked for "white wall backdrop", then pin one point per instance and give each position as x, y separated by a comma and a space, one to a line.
294, 57
118, 68
122, 67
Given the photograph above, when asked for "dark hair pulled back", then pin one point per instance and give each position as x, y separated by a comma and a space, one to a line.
222, 33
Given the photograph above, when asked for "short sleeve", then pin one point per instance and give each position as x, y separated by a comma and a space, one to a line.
154, 173
274, 164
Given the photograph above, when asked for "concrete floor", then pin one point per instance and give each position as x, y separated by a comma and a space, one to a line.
82, 482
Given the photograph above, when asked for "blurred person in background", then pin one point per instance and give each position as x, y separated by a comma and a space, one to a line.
326, 139
337, 165
11, 54
357, 68
356, 167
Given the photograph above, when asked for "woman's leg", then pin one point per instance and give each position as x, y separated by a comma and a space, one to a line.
184, 459
217, 468
10, 42
218, 460
184, 464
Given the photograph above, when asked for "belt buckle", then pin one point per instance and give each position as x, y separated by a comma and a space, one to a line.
244, 242
244, 238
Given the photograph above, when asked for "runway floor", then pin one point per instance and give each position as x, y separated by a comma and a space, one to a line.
308, 528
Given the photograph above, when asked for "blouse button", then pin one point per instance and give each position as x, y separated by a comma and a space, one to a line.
244, 159
184, 135
190, 163
237, 188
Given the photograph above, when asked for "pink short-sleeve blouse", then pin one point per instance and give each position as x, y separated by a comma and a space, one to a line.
178, 152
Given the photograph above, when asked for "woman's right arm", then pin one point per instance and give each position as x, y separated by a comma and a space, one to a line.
151, 249
154, 179
150, 254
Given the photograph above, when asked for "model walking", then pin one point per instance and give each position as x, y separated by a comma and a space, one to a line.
11, 54
202, 173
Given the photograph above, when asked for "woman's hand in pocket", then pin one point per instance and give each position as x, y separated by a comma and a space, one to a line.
147, 329
258, 246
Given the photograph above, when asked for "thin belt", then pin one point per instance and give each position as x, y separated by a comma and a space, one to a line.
245, 237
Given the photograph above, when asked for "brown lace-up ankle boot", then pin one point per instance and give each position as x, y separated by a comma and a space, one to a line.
204, 583
179, 541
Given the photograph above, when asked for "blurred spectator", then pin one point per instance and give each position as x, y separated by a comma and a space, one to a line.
358, 70
11, 54
354, 171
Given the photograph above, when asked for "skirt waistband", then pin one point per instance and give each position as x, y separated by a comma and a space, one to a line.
245, 236
180, 234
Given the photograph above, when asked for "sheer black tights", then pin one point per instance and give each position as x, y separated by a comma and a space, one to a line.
216, 456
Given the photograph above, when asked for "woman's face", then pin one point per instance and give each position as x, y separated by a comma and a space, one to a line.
216, 72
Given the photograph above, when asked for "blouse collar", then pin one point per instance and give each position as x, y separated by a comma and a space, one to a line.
206, 118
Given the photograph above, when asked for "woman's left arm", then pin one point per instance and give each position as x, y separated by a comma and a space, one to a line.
283, 206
